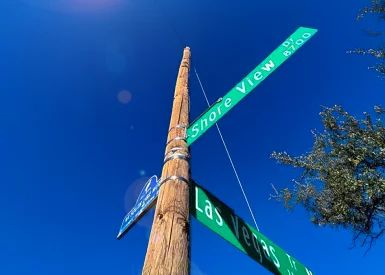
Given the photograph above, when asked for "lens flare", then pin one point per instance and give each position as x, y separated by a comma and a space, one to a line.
131, 197
124, 97
133, 192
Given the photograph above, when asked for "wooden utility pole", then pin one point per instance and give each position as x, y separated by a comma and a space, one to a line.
168, 250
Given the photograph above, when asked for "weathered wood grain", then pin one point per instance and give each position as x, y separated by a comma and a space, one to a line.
168, 250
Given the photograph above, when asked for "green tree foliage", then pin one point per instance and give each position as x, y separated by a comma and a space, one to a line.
342, 183
377, 9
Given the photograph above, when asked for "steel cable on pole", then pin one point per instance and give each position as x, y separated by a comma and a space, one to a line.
228, 153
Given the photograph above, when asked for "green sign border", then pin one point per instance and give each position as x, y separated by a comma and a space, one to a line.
252, 80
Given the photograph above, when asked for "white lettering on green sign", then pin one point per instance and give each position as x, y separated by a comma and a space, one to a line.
223, 221
263, 70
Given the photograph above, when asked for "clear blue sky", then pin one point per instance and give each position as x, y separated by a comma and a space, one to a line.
73, 157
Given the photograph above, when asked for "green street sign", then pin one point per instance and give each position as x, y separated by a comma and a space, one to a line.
222, 220
243, 88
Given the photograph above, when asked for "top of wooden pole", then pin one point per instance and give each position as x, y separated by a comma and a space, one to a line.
186, 52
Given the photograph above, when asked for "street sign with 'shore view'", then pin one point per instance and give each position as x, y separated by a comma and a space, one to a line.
221, 219
146, 200
243, 88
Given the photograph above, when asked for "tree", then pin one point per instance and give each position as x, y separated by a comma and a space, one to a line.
342, 183
377, 8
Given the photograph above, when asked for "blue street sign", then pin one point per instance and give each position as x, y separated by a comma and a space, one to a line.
145, 202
